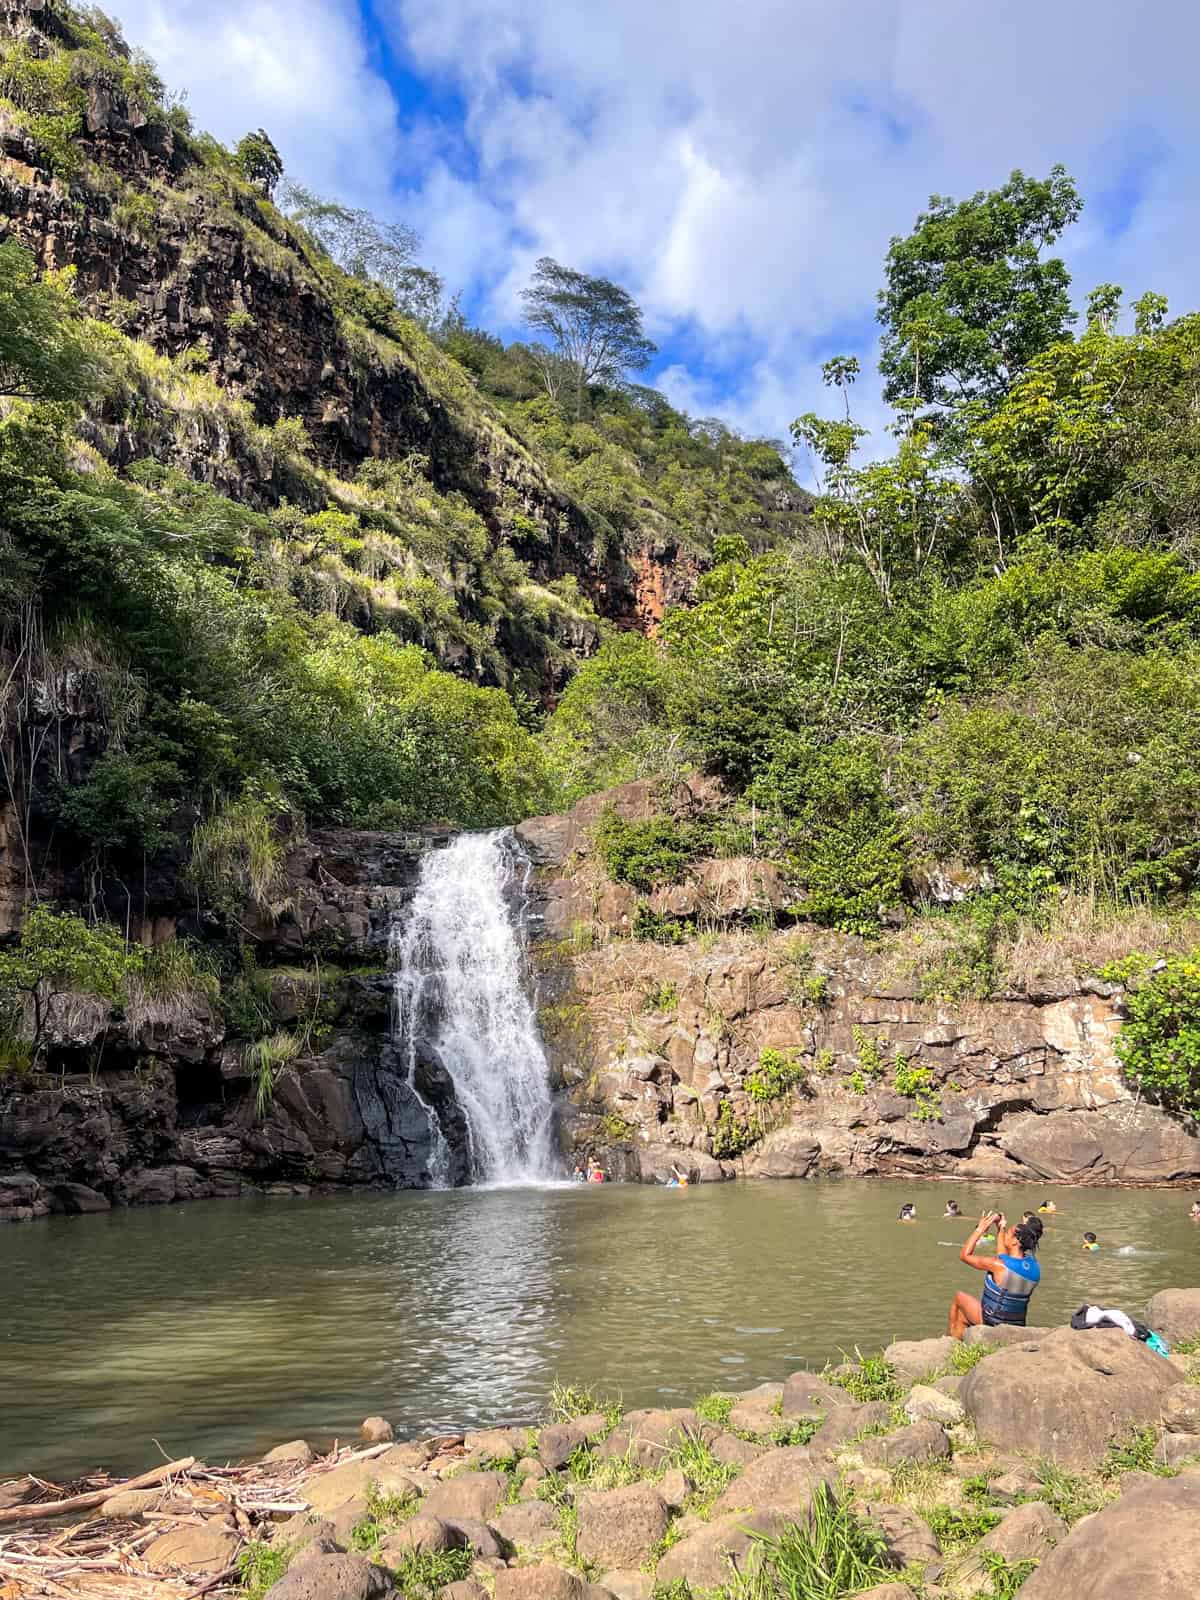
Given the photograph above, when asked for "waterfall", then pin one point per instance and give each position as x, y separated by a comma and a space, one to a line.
460, 1000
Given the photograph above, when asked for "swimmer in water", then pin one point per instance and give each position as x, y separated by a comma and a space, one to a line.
908, 1212
1090, 1242
1048, 1207
1194, 1213
952, 1209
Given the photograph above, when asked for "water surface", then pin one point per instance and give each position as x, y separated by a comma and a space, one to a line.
221, 1328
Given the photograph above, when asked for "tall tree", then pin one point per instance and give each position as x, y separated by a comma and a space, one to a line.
44, 353
370, 250
595, 326
259, 162
968, 300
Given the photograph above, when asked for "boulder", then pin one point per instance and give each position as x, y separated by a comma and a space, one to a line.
1181, 1408
886, 1591
781, 1480
295, 1450
1147, 1544
948, 1385
420, 1535
628, 1585
467, 1494
647, 1437
676, 1489
620, 1527
707, 1558
806, 1394
497, 1444
920, 1442
326, 1491
324, 1544
376, 1430
1027, 1533
1176, 1449
917, 1358
907, 1536
335, 1577
785, 1153
1018, 1483
558, 1443
528, 1527
847, 1423
206, 1549
543, 1582
925, 1404
464, 1589
735, 1452
1067, 1396
408, 1457
757, 1411
469, 1533
1175, 1313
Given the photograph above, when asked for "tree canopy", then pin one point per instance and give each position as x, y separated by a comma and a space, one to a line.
595, 326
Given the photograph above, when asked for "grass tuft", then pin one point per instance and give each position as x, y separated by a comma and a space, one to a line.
832, 1555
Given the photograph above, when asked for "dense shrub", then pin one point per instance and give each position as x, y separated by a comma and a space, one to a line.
1159, 1044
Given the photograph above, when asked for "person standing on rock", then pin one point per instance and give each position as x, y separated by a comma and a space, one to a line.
1012, 1276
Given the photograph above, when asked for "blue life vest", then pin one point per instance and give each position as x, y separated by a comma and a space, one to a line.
1008, 1302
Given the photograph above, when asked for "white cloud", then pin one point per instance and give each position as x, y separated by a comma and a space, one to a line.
740, 167
299, 68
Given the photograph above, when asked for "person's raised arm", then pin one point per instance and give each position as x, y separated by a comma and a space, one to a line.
967, 1253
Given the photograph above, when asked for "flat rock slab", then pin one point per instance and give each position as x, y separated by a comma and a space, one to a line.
707, 1558
807, 1394
1147, 1544
1004, 1335
1069, 1396
915, 1358
336, 1577
620, 1527
207, 1549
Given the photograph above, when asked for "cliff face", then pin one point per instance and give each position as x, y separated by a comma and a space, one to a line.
785, 1053
163, 1105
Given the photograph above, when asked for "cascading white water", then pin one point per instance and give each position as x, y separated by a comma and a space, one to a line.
460, 998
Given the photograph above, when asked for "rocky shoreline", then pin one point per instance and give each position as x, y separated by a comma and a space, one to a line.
1042, 1462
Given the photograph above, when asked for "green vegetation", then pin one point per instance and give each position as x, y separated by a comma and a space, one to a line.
382, 1515
777, 1073
425, 1573
59, 956
260, 1566
833, 1555
568, 1401
715, 1408
1159, 1044
955, 1530
870, 1378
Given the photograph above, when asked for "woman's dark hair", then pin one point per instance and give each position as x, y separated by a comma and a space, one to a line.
1028, 1234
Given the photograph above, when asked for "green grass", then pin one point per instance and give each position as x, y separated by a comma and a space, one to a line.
260, 1566
569, 1400
424, 1572
965, 1357
833, 1555
384, 1513
707, 1475
1005, 1577
956, 1530
604, 1472
1136, 1454
1069, 1495
873, 1378
715, 1408
798, 1432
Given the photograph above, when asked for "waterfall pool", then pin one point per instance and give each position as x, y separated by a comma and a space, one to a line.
223, 1327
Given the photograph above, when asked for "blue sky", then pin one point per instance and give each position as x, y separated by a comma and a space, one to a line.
740, 167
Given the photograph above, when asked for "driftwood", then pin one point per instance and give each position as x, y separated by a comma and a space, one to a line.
96, 1497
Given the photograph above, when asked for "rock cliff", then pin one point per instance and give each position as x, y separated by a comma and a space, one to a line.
755, 1050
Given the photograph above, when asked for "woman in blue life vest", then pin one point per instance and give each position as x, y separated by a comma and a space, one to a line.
1012, 1276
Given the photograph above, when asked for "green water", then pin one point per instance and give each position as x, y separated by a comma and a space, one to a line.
221, 1328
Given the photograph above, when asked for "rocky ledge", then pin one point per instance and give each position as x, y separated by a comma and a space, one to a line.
1041, 1461
753, 1049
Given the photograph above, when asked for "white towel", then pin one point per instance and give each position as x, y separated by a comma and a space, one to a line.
1098, 1314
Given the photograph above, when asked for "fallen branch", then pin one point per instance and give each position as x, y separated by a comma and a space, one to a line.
97, 1497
